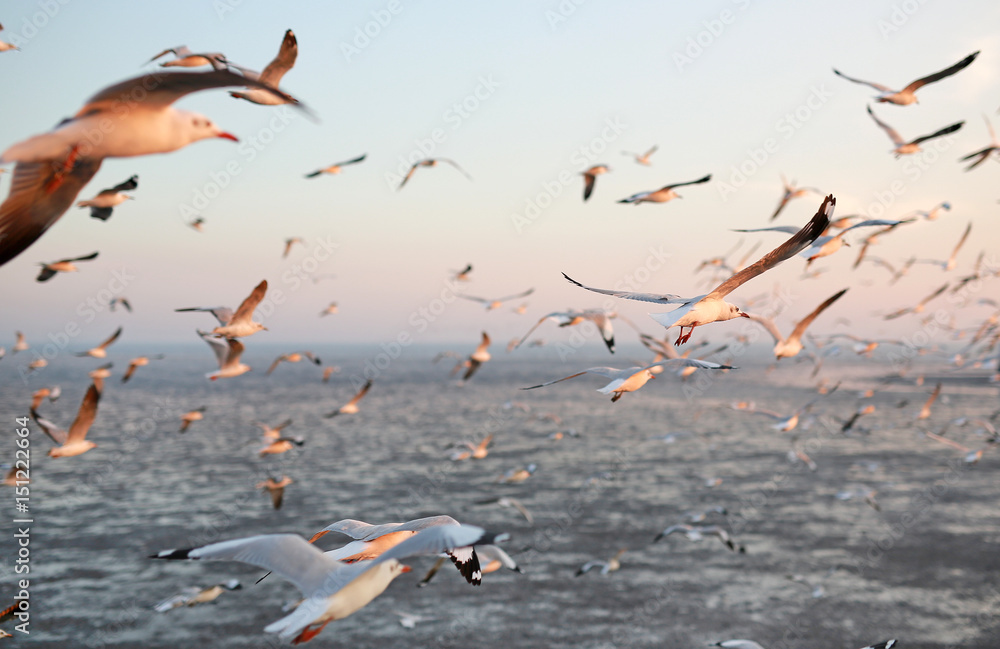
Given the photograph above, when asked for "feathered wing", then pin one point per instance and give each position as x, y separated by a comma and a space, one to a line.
666, 298
796, 244
31, 208
245, 311
945, 131
804, 323
894, 135
283, 62
703, 179
85, 416
937, 76
876, 86
769, 325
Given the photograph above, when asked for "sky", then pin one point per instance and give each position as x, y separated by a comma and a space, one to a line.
524, 96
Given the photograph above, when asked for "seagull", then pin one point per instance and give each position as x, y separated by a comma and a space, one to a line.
410, 620
826, 245
705, 309
289, 243
925, 410
272, 75
6, 47
873, 238
329, 371
294, 357
101, 350
191, 416
194, 596
351, 407
337, 167
791, 346
474, 451
782, 423
491, 559
332, 590
643, 159
859, 413
610, 565
20, 345
53, 167
477, 358
865, 493
505, 501
430, 162
518, 475
185, 58
698, 532
197, 224
74, 441
791, 191
951, 262
905, 97
102, 205
590, 176
599, 318
913, 146
491, 304
139, 361
227, 354
329, 310
983, 155
239, 324
62, 266
462, 275
919, 308
972, 456
663, 194
633, 378
273, 432
281, 445
115, 301
99, 374
52, 394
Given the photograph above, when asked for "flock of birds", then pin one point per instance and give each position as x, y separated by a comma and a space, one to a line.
52, 168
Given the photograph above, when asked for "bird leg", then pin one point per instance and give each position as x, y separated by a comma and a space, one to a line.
682, 338
618, 395
61, 170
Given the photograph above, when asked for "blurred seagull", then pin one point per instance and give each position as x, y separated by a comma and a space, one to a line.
115, 301
20, 345
477, 358
191, 416
227, 354
791, 346
972, 456
185, 58
462, 275
698, 532
74, 441
905, 96
294, 357
198, 224
289, 243
983, 155
952, 261
273, 432
705, 309
101, 350
329, 310
643, 158
791, 191
633, 378
52, 394
272, 75
195, 595
919, 307
611, 565
351, 407
491, 559
599, 318
505, 501
62, 266
913, 146
664, 194
6, 47
337, 167
430, 162
925, 410
590, 176
99, 374
106, 200
473, 451
491, 304
281, 445
139, 361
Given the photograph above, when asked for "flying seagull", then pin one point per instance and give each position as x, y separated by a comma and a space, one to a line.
102, 205
590, 176
913, 146
431, 162
272, 75
983, 155
792, 345
906, 96
62, 266
663, 194
74, 441
337, 167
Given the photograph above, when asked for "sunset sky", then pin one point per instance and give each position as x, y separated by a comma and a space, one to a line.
523, 95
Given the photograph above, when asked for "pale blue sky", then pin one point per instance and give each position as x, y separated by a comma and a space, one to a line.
547, 89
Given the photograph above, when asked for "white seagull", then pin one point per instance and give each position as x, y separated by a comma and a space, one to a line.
913, 146
239, 324
952, 261
49, 270
102, 205
792, 345
272, 75
227, 354
705, 309
664, 194
101, 351
336, 168
598, 317
74, 441
983, 154
430, 162
491, 304
905, 96
791, 191
351, 407
643, 158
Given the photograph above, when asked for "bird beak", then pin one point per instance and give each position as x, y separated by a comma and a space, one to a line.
405, 568
265, 328
745, 315
228, 136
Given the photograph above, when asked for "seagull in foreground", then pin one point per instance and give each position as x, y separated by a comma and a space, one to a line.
663, 194
913, 146
791, 191
106, 200
590, 176
431, 162
194, 595
491, 304
705, 309
351, 407
52, 394
62, 266
239, 324
101, 350
598, 317
294, 357
952, 261
139, 361
272, 75
919, 307
332, 590
610, 565
191, 416
633, 378
643, 158
905, 97
337, 167
698, 532
74, 441
983, 155
227, 354
792, 345
53, 167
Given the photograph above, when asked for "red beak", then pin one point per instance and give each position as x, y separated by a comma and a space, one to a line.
228, 136
745, 315
406, 568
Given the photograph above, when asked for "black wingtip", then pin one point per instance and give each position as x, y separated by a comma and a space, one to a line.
172, 554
